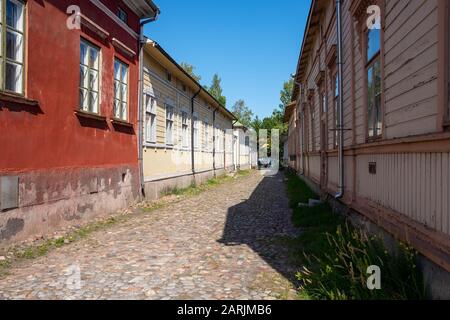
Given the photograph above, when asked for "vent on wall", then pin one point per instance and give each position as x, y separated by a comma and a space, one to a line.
9, 192
372, 167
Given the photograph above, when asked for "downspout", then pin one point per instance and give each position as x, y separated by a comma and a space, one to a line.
340, 128
214, 141
302, 152
192, 129
140, 121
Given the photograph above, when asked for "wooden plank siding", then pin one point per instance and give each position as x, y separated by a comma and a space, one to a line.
163, 159
412, 157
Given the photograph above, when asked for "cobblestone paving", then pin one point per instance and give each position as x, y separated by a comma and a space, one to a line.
221, 244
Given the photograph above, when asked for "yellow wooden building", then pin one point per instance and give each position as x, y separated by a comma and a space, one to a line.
188, 135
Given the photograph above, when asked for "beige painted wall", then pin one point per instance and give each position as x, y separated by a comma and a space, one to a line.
167, 160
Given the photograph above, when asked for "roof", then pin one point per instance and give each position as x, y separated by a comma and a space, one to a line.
308, 42
238, 125
143, 8
154, 48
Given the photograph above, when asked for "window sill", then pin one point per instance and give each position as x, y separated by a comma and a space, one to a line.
121, 122
90, 115
374, 139
15, 98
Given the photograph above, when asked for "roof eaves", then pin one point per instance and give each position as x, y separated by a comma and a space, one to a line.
172, 60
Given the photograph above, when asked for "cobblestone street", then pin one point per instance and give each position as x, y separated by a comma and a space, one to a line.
221, 244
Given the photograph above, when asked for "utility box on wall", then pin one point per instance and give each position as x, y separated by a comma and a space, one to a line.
9, 192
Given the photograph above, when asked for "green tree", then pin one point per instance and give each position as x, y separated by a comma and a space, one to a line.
216, 90
286, 94
243, 113
189, 68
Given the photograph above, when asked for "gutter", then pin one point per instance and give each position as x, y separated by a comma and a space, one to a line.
140, 121
192, 129
340, 128
172, 60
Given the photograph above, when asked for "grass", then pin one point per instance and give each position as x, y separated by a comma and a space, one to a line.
195, 189
335, 256
40, 249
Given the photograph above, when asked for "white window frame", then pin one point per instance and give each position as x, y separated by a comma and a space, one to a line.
89, 88
206, 133
184, 129
196, 131
150, 119
121, 90
18, 60
217, 140
169, 123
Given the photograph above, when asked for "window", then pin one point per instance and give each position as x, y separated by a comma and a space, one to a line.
324, 103
247, 144
206, 132
150, 119
169, 124
196, 125
89, 77
122, 15
12, 49
120, 90
217, 139
336, 110
373, 83
169, 76
184, 129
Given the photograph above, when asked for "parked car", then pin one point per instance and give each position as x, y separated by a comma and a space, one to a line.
264, 163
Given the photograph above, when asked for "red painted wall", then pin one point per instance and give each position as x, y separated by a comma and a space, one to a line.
51, 135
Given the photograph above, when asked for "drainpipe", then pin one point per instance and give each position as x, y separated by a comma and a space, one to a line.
140, 121
340, 128
192, 129
214, 141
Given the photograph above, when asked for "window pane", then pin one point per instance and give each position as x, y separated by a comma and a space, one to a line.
83, 54
153, 128
373, 43
124, 111
93, 80
14, 14
124, 93
93, 102
124, 74
84, 100
148, 127
378, 115
13, 77
377, 77
324, 103
116, 90
14, 46
336, 86
116, 70
83, 77
93, 58
117, 109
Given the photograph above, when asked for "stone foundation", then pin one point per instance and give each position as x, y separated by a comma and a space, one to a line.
51, 200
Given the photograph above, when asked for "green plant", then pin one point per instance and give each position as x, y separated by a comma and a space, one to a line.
335, 256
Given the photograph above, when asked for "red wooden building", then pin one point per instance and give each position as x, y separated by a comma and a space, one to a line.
69, 88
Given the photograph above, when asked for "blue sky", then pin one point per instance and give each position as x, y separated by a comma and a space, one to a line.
252, 44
